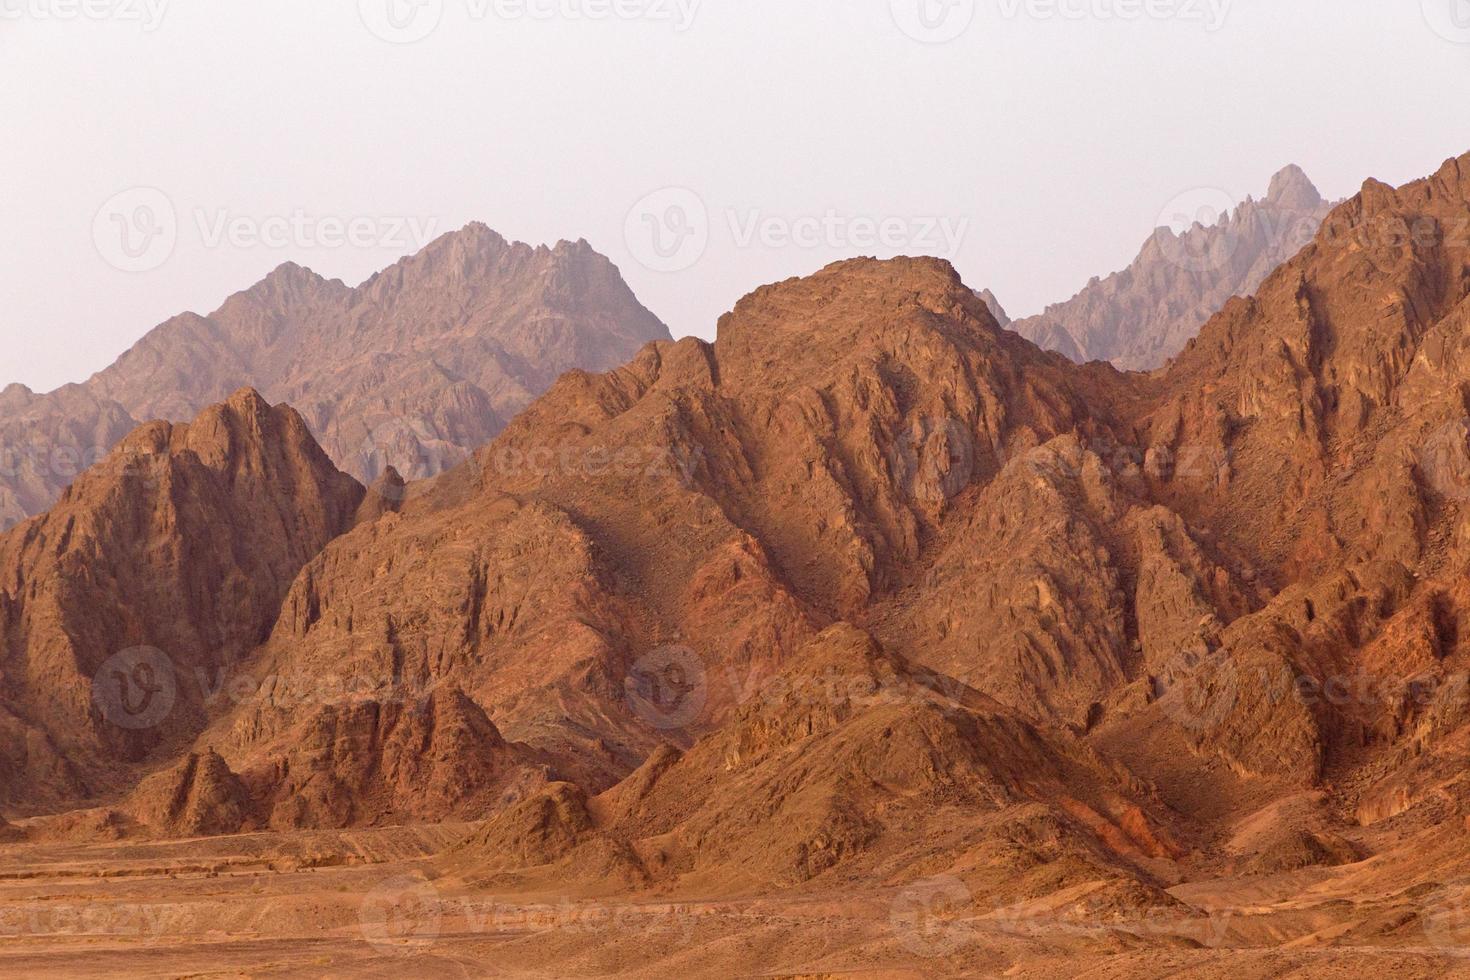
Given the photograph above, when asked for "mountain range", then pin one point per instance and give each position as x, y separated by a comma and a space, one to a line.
414, 369
870, 594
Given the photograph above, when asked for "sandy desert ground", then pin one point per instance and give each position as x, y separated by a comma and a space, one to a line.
378, 904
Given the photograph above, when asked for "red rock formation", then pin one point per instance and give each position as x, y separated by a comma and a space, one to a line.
161, 566
866, 590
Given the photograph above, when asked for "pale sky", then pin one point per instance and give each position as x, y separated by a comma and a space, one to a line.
158, 155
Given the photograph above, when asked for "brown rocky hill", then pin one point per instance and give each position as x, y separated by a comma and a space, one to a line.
865, 591
158, 570
414, 369
1141, 317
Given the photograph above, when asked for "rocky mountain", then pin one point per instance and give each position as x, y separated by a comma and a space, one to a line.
414, 369
1141, 317
46, 441
867, 593
158, 570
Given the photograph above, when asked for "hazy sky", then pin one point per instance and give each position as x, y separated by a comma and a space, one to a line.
158, 155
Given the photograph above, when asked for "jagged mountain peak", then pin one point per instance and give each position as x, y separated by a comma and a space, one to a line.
1291, 187
1142, 316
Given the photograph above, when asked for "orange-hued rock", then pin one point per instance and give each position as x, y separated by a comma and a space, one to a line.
1141, 317
159, 569
868, 595
414, 369
198, 797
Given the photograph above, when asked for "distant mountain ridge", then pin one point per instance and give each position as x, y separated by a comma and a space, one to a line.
1141, 317
414, 369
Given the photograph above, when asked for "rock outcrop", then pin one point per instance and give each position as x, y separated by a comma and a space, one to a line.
150, 580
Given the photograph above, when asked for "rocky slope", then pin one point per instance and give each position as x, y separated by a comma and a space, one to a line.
867, 591
414, 369
124, 608
1141, 317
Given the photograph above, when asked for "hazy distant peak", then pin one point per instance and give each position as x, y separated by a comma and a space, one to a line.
1292, 188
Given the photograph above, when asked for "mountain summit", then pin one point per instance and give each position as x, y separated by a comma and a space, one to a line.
1142, 316
420, 365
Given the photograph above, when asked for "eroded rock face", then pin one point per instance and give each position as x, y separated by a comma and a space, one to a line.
164, 564
868, 588
199, 797
1141, 317
414, 369
800, 787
